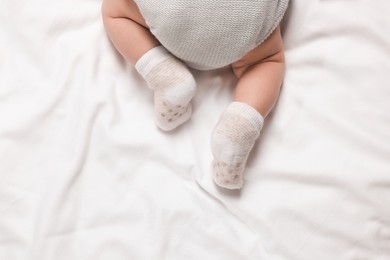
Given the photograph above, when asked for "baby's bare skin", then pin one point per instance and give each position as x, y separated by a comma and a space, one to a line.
260, 72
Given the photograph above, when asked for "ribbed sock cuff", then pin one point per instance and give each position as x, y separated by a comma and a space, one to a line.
151, 58
247, 112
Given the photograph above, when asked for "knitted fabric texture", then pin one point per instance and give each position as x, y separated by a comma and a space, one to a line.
209, 34
231, 142
173, 85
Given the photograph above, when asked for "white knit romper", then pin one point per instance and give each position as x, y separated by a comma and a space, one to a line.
210, 34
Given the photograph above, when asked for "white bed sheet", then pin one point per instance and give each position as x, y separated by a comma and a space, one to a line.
85, 174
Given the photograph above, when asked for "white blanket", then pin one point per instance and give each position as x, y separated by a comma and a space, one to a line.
85, 174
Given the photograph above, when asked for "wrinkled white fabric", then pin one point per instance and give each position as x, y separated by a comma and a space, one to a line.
85, 174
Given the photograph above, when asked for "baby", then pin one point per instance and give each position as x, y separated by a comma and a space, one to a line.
163, 37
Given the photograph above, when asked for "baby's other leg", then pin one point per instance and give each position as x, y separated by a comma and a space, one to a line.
127, 29
172, 82
260, 75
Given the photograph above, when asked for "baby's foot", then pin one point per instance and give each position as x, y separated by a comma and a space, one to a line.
231, 142
173, 85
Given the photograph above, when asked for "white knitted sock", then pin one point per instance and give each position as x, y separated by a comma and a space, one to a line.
173, 85
231, 142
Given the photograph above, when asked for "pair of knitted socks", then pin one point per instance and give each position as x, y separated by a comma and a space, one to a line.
174, 87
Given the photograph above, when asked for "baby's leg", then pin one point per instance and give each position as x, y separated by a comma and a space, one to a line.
127, 29
173, 84
260, 75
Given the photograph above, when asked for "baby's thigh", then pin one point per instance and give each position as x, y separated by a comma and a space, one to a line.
123, 9
272, 47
